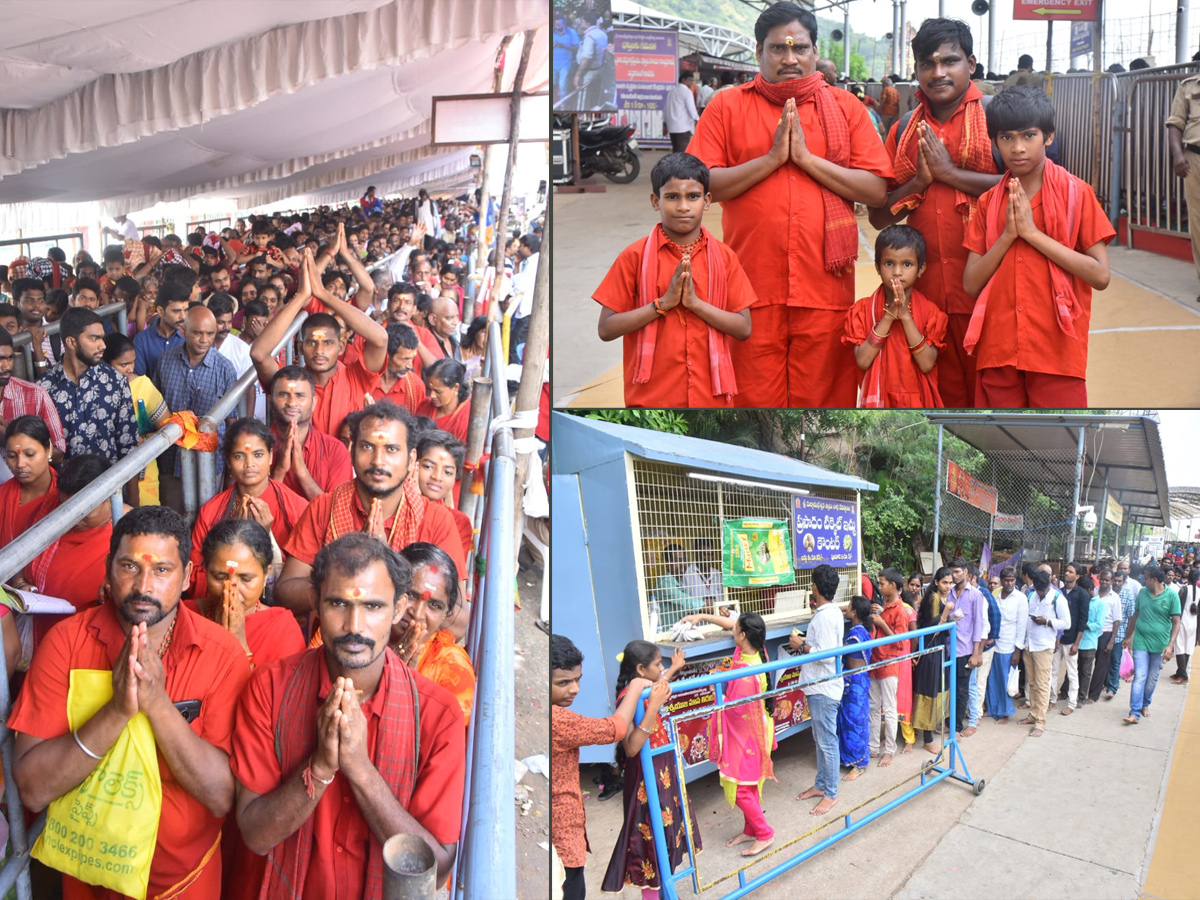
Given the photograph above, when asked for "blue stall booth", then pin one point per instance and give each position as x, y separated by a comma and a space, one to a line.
650, 526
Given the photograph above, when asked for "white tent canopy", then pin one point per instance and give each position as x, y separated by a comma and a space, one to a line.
117, 105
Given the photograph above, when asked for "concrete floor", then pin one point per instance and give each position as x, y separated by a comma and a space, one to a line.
1072, 814
1147, 318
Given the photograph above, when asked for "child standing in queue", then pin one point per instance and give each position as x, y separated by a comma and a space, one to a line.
634, 860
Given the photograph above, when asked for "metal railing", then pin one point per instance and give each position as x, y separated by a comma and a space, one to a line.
1154, 194
1075, 125
486, 863
23, 342
25, 245
936, 770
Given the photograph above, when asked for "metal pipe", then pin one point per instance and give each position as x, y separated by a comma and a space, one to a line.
477, 426
1118, 157
206, 478
1100, 519
903, 37
896, 38
1070, 550
188, 475
992, 39
20, 552
846, 42
16, 814
117, 503
409, 869
1181, 33
937, 506
490, 838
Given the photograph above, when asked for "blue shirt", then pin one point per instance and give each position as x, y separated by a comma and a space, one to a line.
97, 413
1129, 594
148, 347
993, 614
1095, 623
565, 45
196, 388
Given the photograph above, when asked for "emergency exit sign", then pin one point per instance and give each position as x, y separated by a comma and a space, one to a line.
1050, 10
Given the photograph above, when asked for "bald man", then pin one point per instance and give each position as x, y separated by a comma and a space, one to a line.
193, 376
441, 339
828, 68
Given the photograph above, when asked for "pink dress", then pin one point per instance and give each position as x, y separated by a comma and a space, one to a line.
904, 687
743, 736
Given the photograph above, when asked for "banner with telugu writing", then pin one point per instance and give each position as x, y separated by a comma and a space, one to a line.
692, 735
755, 552
969, 489
825, 531
647, 69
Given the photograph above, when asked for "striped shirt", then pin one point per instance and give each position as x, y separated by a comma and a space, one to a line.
1129, 595
24, 398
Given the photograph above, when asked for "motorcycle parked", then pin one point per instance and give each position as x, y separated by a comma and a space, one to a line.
610, 150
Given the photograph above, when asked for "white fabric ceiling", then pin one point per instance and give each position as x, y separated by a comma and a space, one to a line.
131, 103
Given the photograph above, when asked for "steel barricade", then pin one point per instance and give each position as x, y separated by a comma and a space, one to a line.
1075, 127
25, 245
23, 343
1154, 194
486, 863
937, 770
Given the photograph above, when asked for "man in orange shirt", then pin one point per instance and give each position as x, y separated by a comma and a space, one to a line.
943, 163
400, 382
789, 157
308, 461
889, 104
165, 660
339, 389
340, 747
381, 500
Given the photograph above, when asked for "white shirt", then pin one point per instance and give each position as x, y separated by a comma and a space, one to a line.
680, 114
522, 286
1014, 622
237, 351
127, 229
1054, 607
398, 267
1112, 609
706, 92
824, 633
698, 585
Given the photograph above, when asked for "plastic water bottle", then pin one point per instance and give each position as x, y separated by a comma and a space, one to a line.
653, 616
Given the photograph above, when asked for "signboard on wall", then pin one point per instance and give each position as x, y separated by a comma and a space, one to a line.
647, 69
693, 734
825, 531
969, 489
1061, 10
1006, 522
756, 552
1081, 38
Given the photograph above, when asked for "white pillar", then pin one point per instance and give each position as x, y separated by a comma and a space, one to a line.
1181, 32
846, 44
991, 63
904, 38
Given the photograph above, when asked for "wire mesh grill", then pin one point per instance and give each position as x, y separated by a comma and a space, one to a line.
672, 508
1029, 489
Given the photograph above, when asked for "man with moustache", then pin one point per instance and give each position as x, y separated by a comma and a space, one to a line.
308, 461
165, 660
400, 382
789, 156
331, 754
943, 163
381, 500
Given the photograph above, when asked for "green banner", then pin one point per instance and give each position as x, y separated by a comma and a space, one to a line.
756, 552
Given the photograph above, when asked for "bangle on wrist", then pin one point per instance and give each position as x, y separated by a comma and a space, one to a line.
83, 747
645, 730
658, 309
875, 339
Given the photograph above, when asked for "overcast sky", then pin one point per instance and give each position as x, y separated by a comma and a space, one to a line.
1129, 24
1180, 434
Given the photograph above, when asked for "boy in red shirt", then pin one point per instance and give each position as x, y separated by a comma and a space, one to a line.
1036, 251
677, 297
897, 374
570, 731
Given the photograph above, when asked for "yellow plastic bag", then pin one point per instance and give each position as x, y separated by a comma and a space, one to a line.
104, 832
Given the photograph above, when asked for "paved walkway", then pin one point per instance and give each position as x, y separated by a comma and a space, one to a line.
1073, 814
1144, 328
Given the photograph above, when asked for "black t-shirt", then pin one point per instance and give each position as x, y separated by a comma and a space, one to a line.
1078, 600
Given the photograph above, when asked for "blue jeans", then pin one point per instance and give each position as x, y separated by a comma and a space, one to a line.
1145, 678
973, 700
1112, 680
562, 79
823, 712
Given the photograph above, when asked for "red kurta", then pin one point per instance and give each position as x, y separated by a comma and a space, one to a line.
408, 391
903, 384
1020, 328
325, 457
204, 663
681, 375
308, 537
286, 508
73, 568
777, 230
338, 866
343, 394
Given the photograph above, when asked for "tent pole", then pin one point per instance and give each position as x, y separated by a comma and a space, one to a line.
484, 187
1100, 517
937, 507
1069, 551
514, 120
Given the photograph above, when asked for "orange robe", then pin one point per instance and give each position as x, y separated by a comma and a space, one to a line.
15, 516
73, 567
681, 376
444, 662
894, 378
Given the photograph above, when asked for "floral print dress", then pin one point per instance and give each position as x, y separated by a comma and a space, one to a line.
634, 860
